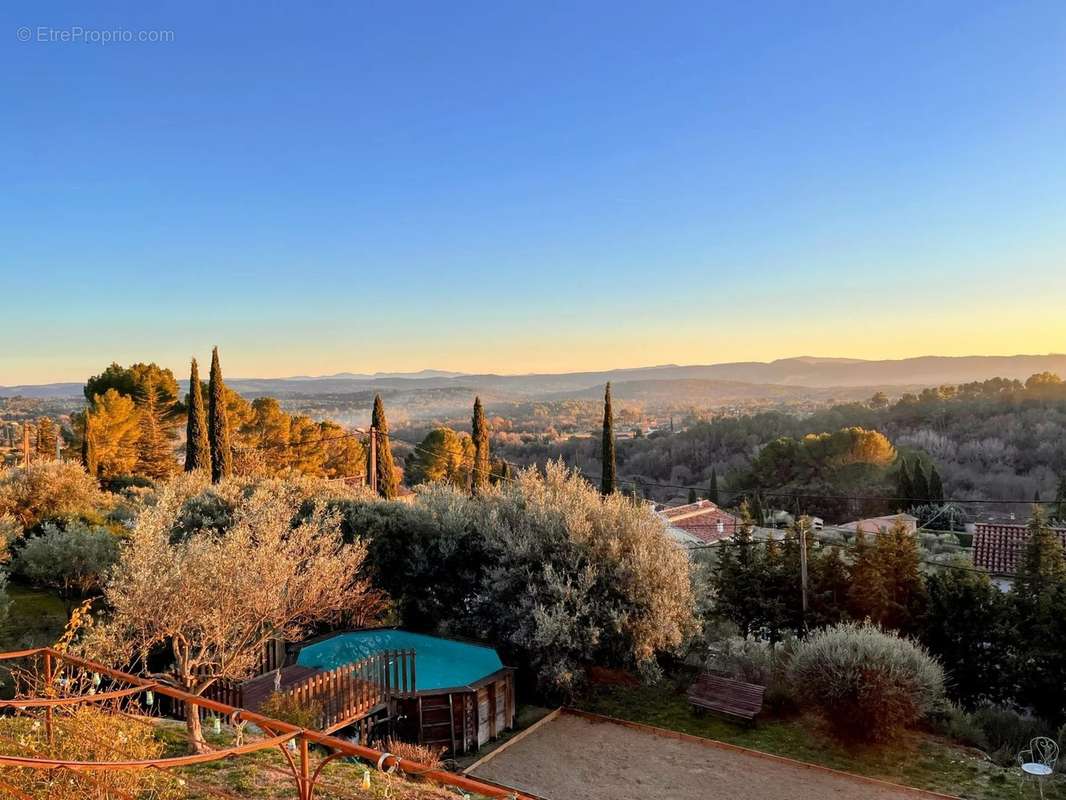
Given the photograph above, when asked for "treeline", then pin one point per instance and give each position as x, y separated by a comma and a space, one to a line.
994, 439
133, 426
997, 648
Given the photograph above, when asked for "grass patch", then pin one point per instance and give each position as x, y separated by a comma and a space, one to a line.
915, 759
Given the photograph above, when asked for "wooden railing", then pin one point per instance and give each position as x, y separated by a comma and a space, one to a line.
351, 691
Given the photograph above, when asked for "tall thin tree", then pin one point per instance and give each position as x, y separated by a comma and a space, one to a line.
919, 484
88, 443
218, 424
386, 471
197, 443
712, 492
609, 477
479, 429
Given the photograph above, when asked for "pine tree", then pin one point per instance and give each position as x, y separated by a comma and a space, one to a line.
479, 429
197, 444
88, 443
739, 577
899, 565
47, 438
919, 485
692, 495
936, 487
1039, 620
867, 597
712, 492
609, 478
154, 458
386, 471
218, 424
904, 487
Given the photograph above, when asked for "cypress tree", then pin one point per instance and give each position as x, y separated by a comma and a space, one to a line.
936, 487
756, 509
712, 492
88, 443
692, 495
218, 424
740, 576
197, 445
153, 451
47, 438
608, 480
386, 473
919, 485
479, 429
904, 487
1060, 500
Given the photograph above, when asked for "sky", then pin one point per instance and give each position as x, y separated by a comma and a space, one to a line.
527, 187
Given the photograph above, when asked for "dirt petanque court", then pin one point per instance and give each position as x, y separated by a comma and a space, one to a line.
574, 756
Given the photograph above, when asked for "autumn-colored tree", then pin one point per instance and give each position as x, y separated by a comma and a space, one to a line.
197, 444
154, 456
608, 480
218, 424
115, 423
277, 567
133, 381
479, 427
386, 469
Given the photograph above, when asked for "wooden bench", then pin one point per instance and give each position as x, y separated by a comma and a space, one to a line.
726, 696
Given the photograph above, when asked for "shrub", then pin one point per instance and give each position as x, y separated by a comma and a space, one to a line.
1007, 732
289, 708
866, 683
49, 489
421, 753
754, 661
74, 561
954, 723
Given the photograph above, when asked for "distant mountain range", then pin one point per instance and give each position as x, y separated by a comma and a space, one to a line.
803, 372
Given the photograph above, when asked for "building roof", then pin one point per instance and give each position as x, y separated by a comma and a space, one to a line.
702, 520
997, 546
875, 524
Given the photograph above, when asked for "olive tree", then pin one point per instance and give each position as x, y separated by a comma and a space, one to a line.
215, 596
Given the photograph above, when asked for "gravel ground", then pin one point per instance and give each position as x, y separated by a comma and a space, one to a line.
573, 758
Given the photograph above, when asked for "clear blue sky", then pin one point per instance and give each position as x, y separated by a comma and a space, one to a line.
515, 187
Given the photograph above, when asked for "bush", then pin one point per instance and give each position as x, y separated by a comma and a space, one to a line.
866, 683
1007, 732
74, 561
49, 489
757, 662
421, 753
289, 708
954, 723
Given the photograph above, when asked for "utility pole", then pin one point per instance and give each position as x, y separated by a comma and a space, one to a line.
803, 522
372, 467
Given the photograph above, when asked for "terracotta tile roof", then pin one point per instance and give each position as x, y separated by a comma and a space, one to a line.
997, 546
876, 524
702, 520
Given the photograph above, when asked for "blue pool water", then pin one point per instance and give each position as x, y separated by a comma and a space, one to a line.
439, 663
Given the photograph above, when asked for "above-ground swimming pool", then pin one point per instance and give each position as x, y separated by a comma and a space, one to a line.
441, 663
463, 695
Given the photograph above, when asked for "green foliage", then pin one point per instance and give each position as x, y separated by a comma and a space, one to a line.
609, 478
904, 487
386, 468
555, 575
866, 683
786, 461
919, 485
965, 629
197, 444
712, 489
49, 490
887, 587
218, 424
74, 560
443, 455
1039, 619
1006, 732
479, 432
133, 382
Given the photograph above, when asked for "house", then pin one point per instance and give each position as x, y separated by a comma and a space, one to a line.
997, 546
884, 524
699, 523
